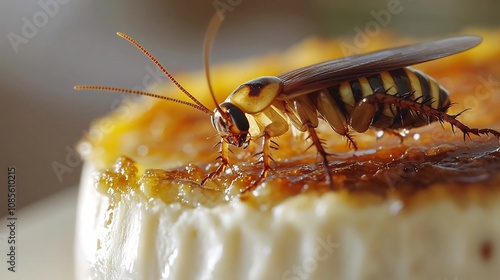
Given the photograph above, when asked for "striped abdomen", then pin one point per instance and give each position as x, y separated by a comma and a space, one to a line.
404, 82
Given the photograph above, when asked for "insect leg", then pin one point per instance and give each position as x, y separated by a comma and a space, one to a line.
307, 113
333, 114
426, 110
224, 157
363, 113
266, 160
273, 125
321, 150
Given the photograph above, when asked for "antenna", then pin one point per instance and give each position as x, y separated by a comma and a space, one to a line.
197, 104
123, 90
212, 29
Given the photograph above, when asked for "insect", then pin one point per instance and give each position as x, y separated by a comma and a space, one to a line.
377, 90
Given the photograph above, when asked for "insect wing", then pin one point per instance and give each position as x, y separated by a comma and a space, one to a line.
325, 74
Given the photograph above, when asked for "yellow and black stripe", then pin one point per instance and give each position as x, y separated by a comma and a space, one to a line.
403, 82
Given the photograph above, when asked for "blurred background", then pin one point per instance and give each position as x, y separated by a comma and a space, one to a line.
48, 46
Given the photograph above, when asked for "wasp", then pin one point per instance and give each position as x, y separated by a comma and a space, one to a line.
377, 90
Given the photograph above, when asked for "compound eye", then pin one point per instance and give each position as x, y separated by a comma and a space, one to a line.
238, 117
213, 122
219, 123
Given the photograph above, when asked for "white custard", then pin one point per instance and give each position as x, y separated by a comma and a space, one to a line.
305, 237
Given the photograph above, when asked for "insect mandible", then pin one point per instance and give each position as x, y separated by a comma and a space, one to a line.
377, 90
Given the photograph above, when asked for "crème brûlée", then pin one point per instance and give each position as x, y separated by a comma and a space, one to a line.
428, 208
